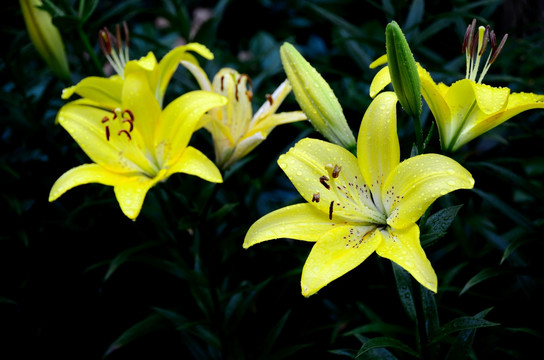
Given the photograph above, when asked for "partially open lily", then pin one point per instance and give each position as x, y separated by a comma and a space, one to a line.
235, 129
108, 90
467, 108
358, 205
132, 142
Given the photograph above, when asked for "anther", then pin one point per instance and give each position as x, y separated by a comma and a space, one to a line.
336, 171
127, 111
323, 180
316, 197
131, 124
124, 132
270, 100
105, 119
222, 80
107, 133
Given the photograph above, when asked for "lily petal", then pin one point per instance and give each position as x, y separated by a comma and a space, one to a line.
300, 222
378, 149
131, 194
179, 120
417, 182
81, 119
337, 252
194, 162
403, 248
104, 91
309, 166
268, 124
434, 95
380, 81
517, 103
84, 174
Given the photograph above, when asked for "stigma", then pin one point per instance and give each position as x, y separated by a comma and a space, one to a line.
475, 45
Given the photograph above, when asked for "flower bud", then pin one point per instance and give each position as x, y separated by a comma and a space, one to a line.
403, 70
316, 98
45, 37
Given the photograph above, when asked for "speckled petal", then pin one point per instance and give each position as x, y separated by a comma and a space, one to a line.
417, 182
298, 222
403, 247
337, 252
341, 194
378, 150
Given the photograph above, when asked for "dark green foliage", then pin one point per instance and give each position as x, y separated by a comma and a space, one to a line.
78, 280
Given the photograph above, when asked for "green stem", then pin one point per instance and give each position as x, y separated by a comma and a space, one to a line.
421, 322
90, 50
419, 133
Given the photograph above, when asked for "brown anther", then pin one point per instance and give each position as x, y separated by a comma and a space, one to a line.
131, 122
249, 95
104, 41
118, 37
330, 209
336, 171
127, 34
316, 197
323, 180
108, 133
124, 132
497, 50
269, 98
127, 111
105, 119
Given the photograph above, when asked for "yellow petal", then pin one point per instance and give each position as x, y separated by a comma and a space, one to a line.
199, 74
267, 124
435, 97
138, 98
378, 148
84, 174
517, 103
379, 61
417, 182
310, 165
171, 60
298, 222
380, 81
490, 99
131, 194
179, 120
104, 91
337, 252
194, 162
270, 106
82, 119
247, 144
403, 247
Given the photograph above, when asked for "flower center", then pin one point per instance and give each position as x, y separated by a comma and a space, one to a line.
113, 48
122, 123
474, 47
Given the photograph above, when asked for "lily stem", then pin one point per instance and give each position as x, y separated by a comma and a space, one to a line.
89, 49
419, 133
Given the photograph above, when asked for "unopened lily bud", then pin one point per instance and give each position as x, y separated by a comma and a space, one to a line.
316, 98
45, 37
403, 70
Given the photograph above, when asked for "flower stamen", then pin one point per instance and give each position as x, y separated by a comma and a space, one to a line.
116, 57
474, 46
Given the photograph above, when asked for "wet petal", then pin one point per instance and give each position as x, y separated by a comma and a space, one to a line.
130, 195
337, 252
194, 162
104, 91
434, 95
267, 124
310, 165
417, 182
490, 99
179, 120
378, 148
298, 222
82, 120
403, 247
380, 81
84, 174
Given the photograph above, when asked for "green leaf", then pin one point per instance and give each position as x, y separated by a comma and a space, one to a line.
86, 9
385, 342
460, 324
463, 342
405, 291
437, 224
483, 275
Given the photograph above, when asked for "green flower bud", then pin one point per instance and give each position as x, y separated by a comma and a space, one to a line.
316, 98
403, 70
45, 37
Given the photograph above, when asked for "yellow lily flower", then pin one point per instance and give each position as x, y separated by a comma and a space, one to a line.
360, 205
467, 108
159, 74
132, 142
235, 129
46, 37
